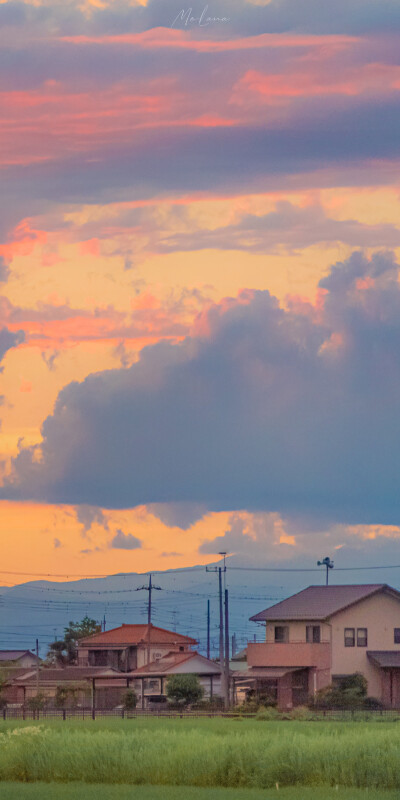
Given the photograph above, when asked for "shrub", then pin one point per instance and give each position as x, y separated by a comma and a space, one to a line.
266, 713
184, 689
350, 692
301, 713
38, 702
61, 696
129, 700
211, 704
373, 703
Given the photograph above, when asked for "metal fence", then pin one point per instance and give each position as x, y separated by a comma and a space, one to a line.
89, 713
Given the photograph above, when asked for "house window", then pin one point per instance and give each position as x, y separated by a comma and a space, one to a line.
349, 637
281, 633
397, 635
152, 683
313, 633
181, 648
362, 637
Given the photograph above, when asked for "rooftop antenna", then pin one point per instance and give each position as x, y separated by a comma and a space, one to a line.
326, 562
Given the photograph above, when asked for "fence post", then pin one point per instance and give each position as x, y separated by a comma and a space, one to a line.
123, 713
4, 712
93, 713
64, 714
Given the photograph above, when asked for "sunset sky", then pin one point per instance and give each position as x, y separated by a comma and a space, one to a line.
200, 299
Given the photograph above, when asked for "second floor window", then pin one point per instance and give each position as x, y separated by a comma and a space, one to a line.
397, 635
281, 633
362, 637
313, 633
349, 637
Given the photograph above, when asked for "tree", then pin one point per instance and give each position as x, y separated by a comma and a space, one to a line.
184, 689
129, 700
65, 651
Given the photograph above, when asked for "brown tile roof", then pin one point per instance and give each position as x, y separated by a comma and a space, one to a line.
135, 634
14, 673
385, 658
62, 674
321, 602
263, 672
167, 663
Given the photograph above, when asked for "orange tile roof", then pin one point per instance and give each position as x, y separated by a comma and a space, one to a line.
136, 634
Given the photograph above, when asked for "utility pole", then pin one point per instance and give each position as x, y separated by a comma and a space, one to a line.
104, 622
37, 667
227, 681
224, 685
208, 628
326, 562
148, 589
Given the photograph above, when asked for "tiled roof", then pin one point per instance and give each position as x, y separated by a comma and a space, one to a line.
167, 663
240, 656
15, 673
321, 602
14, 655
134, 634
63, 674
263, 672
385, 658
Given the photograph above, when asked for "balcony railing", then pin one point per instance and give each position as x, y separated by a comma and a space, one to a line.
289, 654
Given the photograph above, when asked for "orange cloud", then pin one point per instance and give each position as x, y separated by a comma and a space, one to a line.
318, 79
24, 240
157, 38
26, 386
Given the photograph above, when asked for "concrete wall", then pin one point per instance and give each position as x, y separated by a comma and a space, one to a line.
156, 651
295, 654
380, 614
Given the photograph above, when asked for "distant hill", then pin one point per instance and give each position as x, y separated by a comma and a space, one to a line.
41, 609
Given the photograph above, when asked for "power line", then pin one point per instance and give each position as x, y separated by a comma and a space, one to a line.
179, 571
311, 569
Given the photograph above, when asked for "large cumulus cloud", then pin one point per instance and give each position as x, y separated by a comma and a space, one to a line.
292, 410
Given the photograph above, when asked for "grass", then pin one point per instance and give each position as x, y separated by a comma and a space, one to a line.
81, 791
205, 753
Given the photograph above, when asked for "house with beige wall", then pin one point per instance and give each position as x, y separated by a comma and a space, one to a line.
322, 634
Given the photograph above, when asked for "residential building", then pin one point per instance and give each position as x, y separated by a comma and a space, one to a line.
323, 633
150, 681
130, 647
141, 657
17, 659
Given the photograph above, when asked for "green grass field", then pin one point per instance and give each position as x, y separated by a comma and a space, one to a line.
82, 791
199, 759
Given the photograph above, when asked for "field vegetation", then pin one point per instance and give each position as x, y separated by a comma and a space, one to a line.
207, 753
81, 791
